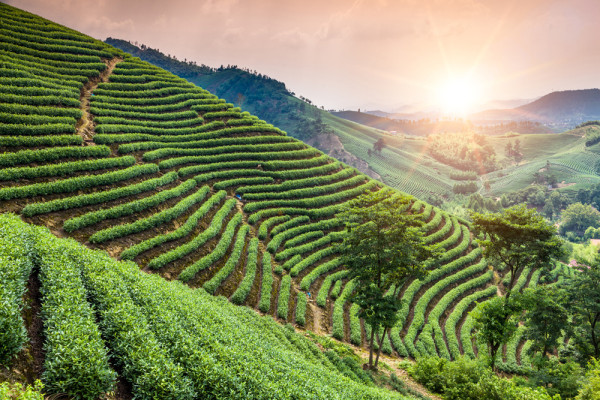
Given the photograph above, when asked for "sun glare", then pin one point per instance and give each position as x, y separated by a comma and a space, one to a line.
457, 97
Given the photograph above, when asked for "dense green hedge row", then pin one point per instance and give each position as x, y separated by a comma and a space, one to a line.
243, 290
231, 147
266, 286
232, 176
152, 221
39, 45
445, 301
168, 101
226, 141
289, 264
213, 284
23, 76
19, 31
65, 168
29, 82
37, 141
24, 49
301, 300
324, 290
303, 238
184, 230
15, 252
297, 164
76, 183
185, 249
338, 310
315, 190
179, 103
284, 297
99, 112
168, 124
244, 156
313, 202
315, 179
310, 246
69, 76
216, 254
36, 130
292, 223
66, 92
162, 83
318, 271
98, 197
441, 232
221, 167
49, 111
129, 208
76, 359
222, 114
55, 69
265, 227
142, 76
434, 222
211, 107
313, 259
258, 180
125, 96
202, 132
24, 119
50, 100
337, 289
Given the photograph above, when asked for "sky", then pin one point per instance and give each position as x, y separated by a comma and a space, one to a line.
397, 55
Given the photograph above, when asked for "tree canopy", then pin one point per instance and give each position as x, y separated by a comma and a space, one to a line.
383, 249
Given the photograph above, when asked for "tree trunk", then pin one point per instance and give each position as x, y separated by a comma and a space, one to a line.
380, 346
371, 347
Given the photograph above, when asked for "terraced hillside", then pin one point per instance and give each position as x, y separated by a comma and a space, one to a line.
125, 157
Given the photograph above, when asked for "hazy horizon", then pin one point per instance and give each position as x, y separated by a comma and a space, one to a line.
365, 54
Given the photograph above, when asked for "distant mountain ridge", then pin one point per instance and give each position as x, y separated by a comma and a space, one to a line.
563, 108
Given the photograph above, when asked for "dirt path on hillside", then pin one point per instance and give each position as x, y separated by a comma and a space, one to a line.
85, 125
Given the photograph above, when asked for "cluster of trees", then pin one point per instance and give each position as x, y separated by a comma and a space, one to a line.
382, 249
465, 152
514, 150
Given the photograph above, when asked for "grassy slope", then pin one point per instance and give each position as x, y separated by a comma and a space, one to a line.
186, 124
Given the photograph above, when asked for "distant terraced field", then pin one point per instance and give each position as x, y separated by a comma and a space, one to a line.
125, 157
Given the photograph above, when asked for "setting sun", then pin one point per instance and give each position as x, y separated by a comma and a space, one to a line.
457, 97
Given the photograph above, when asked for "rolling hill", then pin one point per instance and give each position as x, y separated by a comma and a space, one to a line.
137, 163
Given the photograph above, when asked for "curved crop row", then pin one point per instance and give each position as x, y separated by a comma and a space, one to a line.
243, 290
225, 141
152, 221
310, 246
312, 259
195, 243
45, 155
324, 290
37, 141
184, 230
286, 233
129, 208
98, 197
76, 183
318, 271
312, 182
213, 284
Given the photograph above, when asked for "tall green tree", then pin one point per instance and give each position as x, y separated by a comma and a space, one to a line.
584, 304
515, 239
382, 250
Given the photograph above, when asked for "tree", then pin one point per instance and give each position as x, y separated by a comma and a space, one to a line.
546, 318
379, 145
513, 240
517, 238
584, 304
578, 217
508, 149
383, 249
495, 321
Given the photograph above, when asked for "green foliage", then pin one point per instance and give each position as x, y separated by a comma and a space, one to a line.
465, 188
578, 217
195, 243
218, 252
267, 284
284, 296
76, 359
17, 391
213, 284
465, 379
243, 290
14, 274
36, 156
77, 183
129, 208
98, 197
155, 220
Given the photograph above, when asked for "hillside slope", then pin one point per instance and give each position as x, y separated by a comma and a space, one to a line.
192, 189
402, 169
